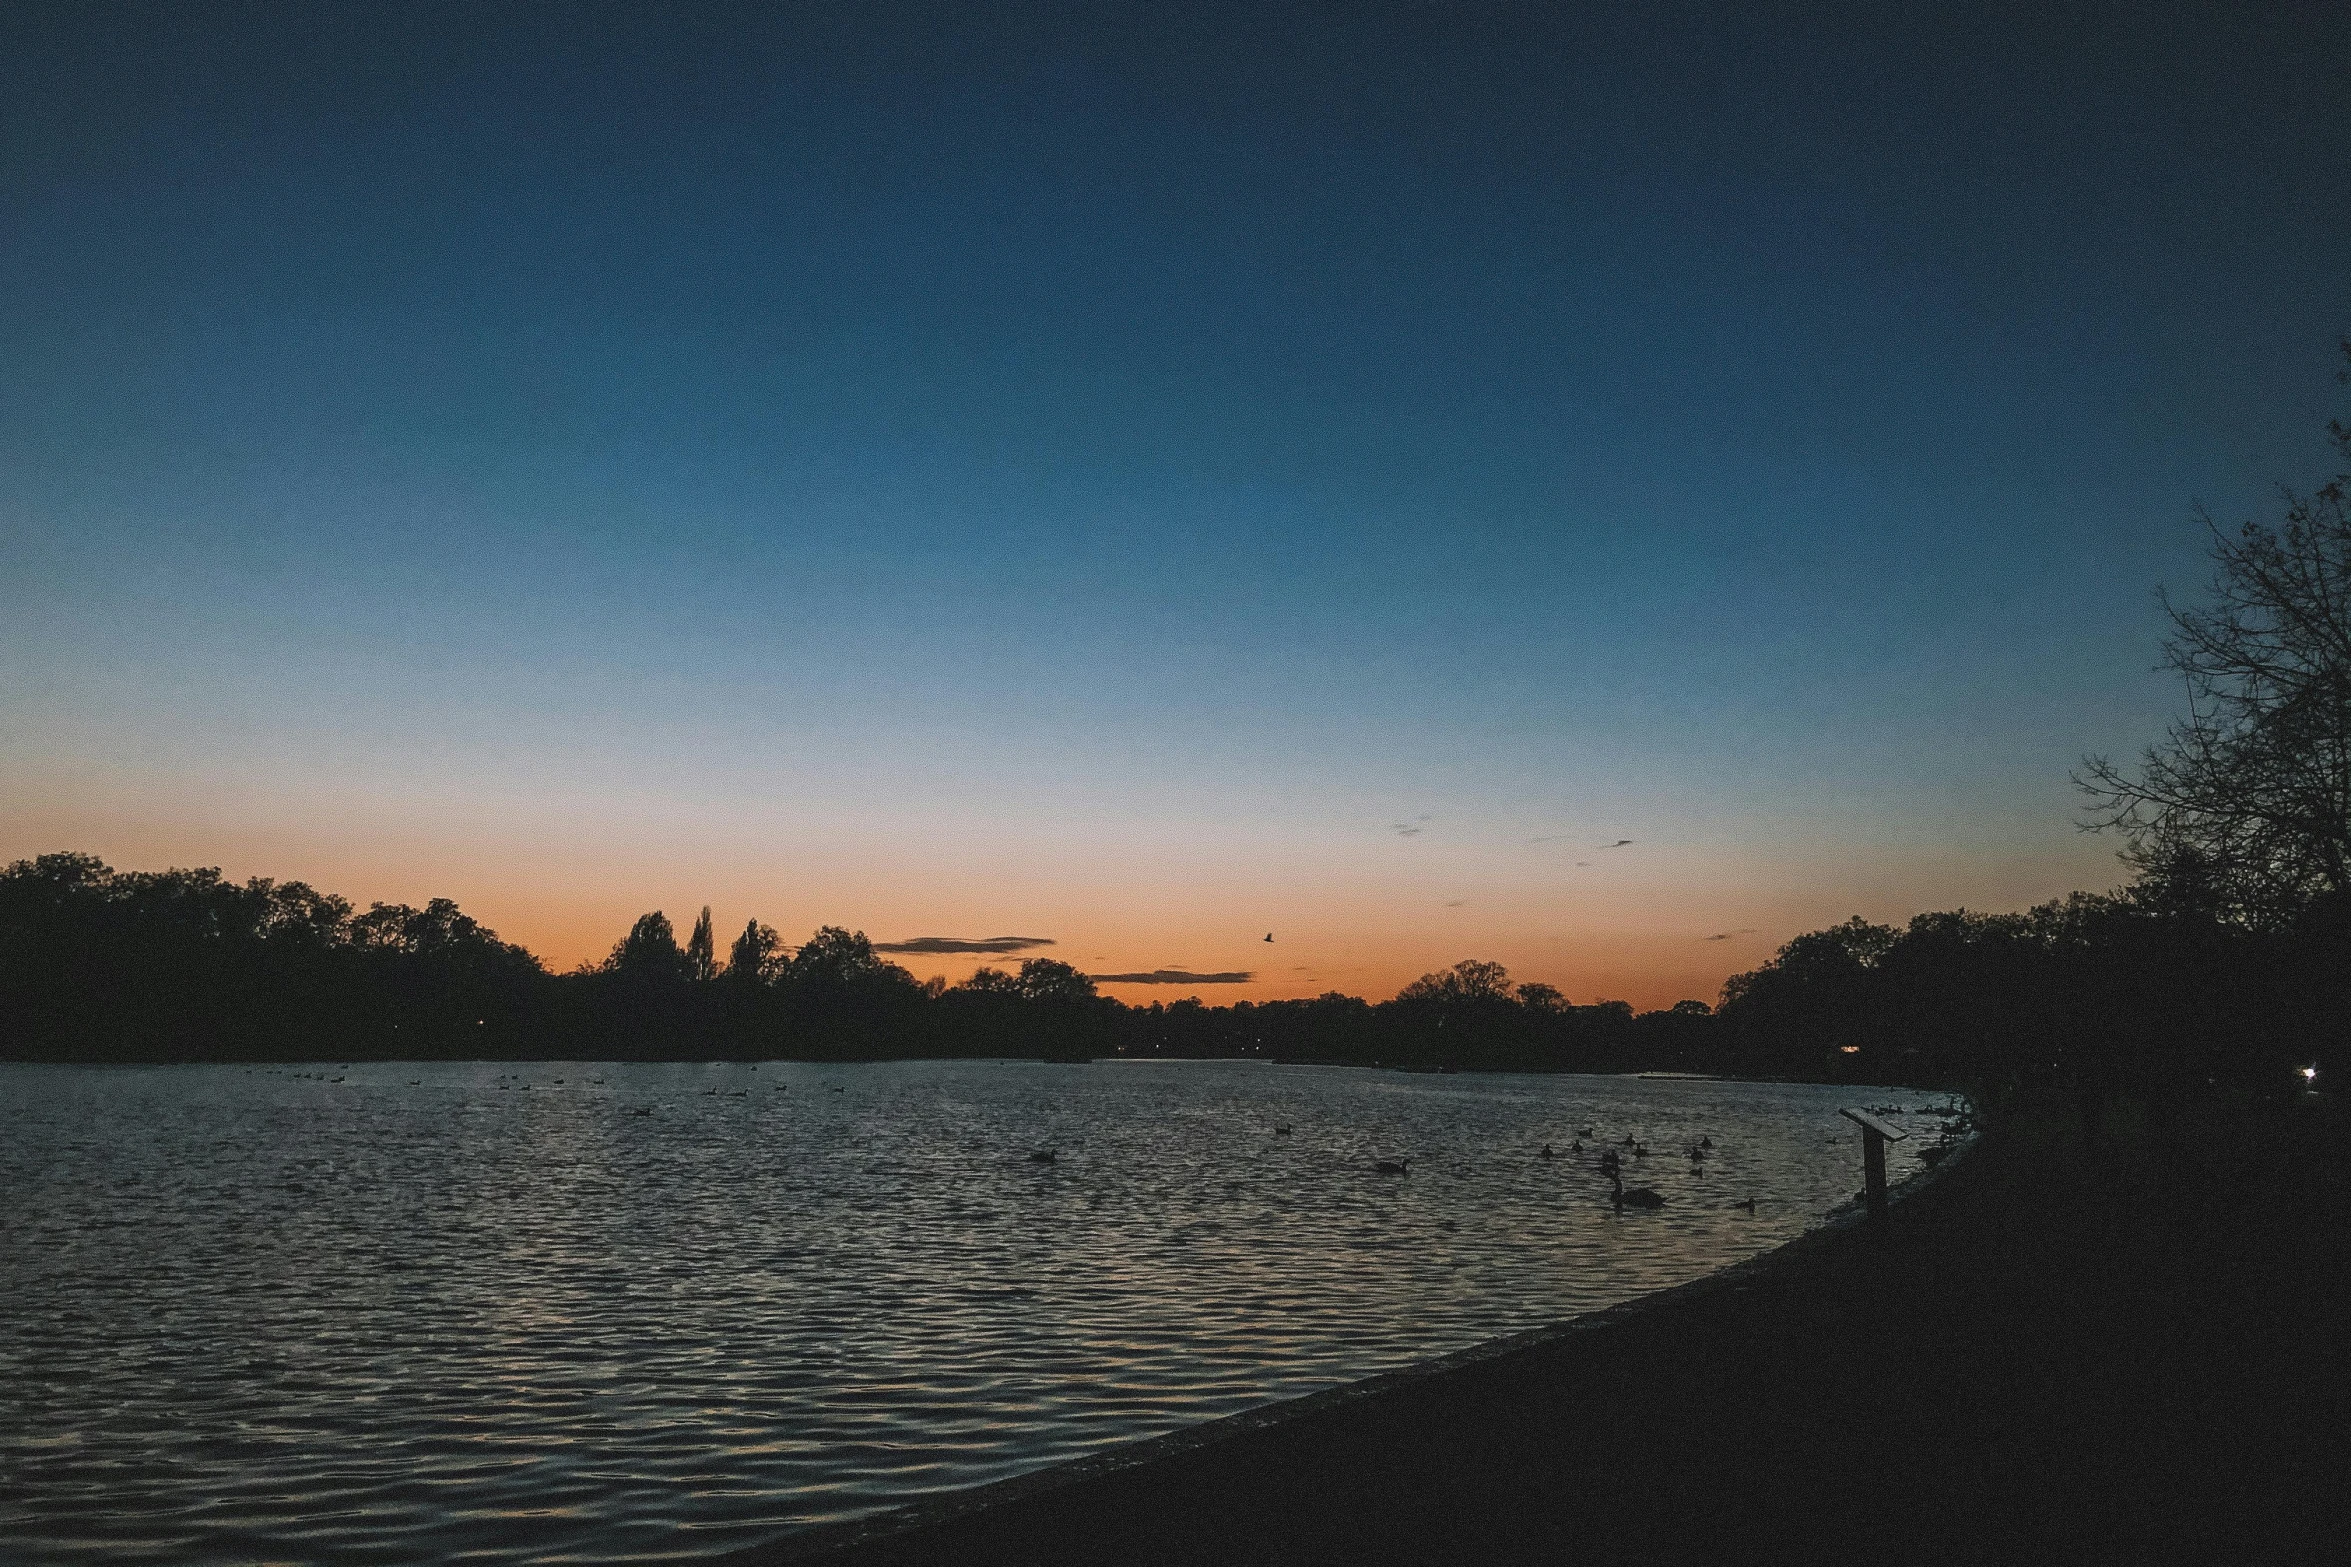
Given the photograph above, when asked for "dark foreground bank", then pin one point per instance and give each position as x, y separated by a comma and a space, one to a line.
2066, 1349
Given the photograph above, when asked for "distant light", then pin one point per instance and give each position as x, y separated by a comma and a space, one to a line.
2310, 1074
1851, 1050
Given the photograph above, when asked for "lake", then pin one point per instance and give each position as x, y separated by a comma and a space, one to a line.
601, 1312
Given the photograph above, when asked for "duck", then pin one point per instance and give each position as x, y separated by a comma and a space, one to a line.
1748, 1205
1392, 1167
1283, 1130
1638, 1197
1640, 1150
1546, 1153
1609, 1163
1576, 1147
1706, 1142
1044, 1156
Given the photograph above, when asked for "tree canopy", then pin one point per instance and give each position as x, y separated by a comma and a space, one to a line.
2245, 805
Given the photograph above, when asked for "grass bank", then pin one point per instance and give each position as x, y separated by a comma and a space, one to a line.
2126, 1346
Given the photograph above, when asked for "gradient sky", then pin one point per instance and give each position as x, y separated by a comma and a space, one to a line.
1145, 480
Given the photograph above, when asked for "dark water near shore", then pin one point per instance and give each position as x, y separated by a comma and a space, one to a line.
393, 1313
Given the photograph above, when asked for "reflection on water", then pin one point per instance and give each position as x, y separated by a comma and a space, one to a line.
404, 1312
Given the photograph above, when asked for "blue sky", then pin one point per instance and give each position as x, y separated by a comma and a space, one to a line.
1079, 470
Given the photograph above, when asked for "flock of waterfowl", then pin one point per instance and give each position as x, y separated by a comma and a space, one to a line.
1608, 1161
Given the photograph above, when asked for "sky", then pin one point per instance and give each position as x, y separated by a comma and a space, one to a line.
1601, 493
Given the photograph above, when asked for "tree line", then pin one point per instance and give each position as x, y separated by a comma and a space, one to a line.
2088, 994
100, 965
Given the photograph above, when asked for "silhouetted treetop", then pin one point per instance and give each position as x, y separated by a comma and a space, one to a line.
702, 949
837, 959
649, 953
1051, 981
758, 956
2245, 806
1469, 982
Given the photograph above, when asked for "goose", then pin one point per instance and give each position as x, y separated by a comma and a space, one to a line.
1638, 1197
1393, 1167
1640, 1150
1748, 1205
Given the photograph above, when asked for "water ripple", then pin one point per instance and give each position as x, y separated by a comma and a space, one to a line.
260, 1315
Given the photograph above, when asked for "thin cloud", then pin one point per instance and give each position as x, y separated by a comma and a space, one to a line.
1725, 935
1173, 976
996, 945
1456, 903
1404, 830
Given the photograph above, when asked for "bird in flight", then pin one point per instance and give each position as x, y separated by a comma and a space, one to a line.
1269, 935
1620, 843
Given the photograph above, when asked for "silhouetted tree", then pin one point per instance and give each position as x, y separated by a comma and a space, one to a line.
758, 956
986, 981
839, 959
1817, 996
649, 953
1542, 998
1467, 982
1052, 983
2245, 806
702, 949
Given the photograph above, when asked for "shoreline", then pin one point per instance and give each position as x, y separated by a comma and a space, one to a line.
2044, 1349
841, 1541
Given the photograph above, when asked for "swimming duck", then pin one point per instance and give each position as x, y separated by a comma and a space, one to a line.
1638, 1197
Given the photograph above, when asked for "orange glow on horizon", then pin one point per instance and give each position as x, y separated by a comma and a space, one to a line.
1651, 926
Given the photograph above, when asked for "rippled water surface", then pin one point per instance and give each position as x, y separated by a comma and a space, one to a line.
600, 1312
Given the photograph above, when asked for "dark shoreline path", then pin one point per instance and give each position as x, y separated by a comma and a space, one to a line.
2053, 1354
